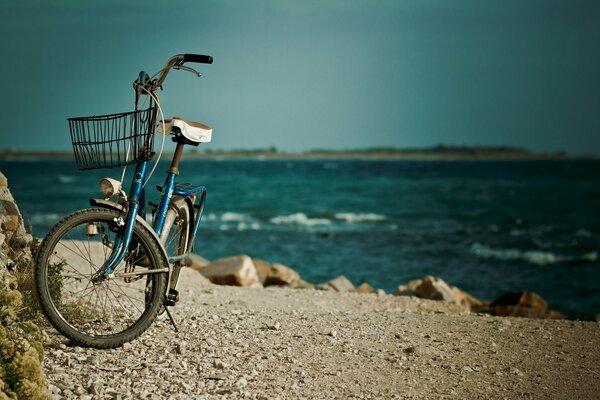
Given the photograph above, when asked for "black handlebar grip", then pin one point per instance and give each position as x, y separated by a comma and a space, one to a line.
197, 58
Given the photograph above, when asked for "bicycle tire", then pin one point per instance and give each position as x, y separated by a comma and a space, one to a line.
111, 318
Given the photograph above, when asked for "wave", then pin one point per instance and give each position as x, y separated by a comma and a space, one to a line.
252, 226
233, 217
366, 217
299, 219
227, 217
66, 178
531, 256
43, 218
246, 221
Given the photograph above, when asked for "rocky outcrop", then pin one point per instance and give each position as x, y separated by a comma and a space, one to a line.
14, 239
522, 304
21, 354
235, 270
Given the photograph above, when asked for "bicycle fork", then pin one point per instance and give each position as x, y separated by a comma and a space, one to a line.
123, 237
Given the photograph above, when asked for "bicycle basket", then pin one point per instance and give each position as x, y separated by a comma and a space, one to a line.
115, 140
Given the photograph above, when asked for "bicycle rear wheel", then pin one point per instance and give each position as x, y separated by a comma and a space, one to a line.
101, 314
175, 238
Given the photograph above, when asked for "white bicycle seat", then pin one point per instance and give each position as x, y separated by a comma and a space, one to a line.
194, 131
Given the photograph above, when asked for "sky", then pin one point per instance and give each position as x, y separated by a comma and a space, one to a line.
300, 75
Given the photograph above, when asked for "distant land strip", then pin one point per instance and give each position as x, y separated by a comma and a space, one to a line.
440, 152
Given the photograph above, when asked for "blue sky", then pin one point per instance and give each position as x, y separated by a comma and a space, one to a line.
313, 74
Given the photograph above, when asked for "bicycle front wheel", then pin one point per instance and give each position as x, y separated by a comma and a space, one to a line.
110, 312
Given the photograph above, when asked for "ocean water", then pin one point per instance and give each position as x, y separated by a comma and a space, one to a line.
487, 227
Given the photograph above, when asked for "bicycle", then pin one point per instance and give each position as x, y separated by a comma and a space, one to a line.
103, 274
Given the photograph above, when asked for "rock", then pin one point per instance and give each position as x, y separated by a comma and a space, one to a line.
241, 382
409, 289
521, 299
282, 275
522, 304
218, 364
234, 270
434, 288
14, 239
196, 262
274, 327
465, 298
304, 285
276, 274
339, 284
363, 288
263, 269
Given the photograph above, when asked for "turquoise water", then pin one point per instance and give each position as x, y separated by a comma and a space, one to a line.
487, 227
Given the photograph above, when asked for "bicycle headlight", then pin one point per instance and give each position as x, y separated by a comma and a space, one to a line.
109, 186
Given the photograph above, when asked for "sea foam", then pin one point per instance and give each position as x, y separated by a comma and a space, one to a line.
300, 219
366, 217
531, 256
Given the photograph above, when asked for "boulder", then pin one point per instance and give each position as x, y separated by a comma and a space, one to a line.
522, 304
465, 298
339, 284
196, 262
276, 274
363, 288
305, 285
409, 289
263, 269
434, 288
235, 270
283, 275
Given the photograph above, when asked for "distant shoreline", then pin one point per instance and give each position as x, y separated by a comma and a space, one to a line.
439, 153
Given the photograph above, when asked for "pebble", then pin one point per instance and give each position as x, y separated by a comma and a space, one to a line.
240, 350
275, 327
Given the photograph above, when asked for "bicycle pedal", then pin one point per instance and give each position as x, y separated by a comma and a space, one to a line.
173, 295
169, 302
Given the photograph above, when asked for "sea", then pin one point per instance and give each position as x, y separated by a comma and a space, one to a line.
488, 227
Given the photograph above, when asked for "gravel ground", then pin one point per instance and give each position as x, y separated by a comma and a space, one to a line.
284, 343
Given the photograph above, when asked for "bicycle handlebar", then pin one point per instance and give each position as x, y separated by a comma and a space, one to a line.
197, 58
150, 86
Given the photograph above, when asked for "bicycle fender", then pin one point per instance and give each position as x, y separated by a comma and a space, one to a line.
118, 207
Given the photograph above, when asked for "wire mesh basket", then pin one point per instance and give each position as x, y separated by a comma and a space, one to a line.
114, 140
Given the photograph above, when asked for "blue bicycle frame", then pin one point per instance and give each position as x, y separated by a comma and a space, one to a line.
136, 202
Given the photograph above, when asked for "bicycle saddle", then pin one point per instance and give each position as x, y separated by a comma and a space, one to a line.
194, 131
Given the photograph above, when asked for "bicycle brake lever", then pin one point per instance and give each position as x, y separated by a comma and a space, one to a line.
188, 69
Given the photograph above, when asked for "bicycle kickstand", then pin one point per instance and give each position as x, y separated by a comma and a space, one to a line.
171, 318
